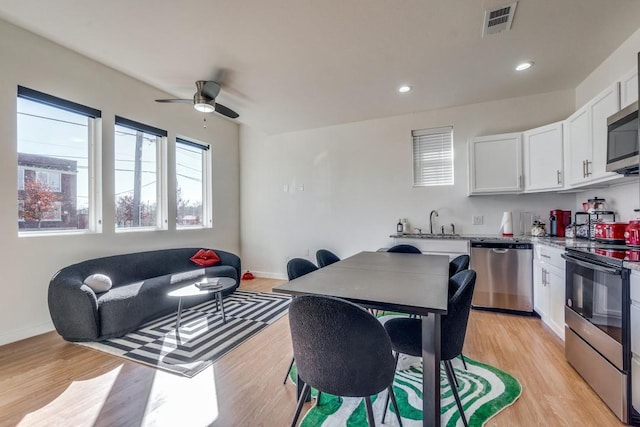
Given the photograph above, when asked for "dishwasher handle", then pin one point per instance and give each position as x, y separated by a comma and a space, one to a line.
499, 250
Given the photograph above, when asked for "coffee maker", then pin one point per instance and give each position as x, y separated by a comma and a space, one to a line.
558, 221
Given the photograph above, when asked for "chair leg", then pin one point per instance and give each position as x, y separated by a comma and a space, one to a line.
449, 366
303, 396
318, 398
449, 371
464, 363
367, 404
386, 402
288, 370
394, 403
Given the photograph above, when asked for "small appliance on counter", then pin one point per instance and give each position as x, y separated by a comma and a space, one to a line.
632, 231
610, 232
558, 222
538, 229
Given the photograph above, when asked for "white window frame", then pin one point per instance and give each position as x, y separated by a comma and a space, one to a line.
161, 175
433, 142
207, 187
94, 162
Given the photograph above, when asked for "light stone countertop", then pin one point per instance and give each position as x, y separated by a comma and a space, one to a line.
555, 242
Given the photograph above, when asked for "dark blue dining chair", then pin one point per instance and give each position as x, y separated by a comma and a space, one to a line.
404, 249
297, 267
459, 263
340, 349
406, 333
325, 257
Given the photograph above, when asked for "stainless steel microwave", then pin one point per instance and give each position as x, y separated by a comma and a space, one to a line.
622, 141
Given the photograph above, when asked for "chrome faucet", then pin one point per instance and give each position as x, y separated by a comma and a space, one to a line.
431, 220
419, 230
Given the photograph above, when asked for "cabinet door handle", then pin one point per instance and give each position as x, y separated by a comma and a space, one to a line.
544, 282
558, 175
584, 169
587, 162
545, 256
520, 181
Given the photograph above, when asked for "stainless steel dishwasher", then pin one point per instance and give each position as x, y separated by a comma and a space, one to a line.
504, 271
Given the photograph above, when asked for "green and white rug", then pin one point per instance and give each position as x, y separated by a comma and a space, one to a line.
484, 391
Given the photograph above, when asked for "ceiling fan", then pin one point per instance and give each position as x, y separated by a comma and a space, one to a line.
204, 100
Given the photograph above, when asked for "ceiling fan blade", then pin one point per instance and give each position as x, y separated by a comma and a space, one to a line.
209, 89
182, 101
226, 111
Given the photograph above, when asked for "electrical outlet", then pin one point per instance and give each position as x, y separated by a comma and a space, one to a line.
285, 188
477, 219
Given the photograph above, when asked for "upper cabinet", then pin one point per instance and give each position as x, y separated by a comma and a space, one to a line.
495, 164
586, 138
629, 88
543, 159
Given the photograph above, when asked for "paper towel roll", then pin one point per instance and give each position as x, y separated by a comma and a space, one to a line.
507, 224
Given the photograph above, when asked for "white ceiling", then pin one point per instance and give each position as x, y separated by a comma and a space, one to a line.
299, 64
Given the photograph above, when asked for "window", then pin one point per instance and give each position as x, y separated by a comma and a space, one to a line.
192, 184
139, 175
433, 156
58, 166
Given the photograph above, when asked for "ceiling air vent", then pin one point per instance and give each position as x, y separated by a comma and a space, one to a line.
498, 19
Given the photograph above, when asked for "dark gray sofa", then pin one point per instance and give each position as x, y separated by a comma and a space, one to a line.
140, 283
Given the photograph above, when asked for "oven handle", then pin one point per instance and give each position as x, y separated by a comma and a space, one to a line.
592, 266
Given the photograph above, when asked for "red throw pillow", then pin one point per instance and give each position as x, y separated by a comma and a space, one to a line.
205, 258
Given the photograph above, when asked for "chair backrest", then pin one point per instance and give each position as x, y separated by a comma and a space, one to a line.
325, 257
339, 348
454, 323
405, 249
297, 267
459, 263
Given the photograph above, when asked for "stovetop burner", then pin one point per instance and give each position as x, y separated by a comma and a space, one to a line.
608, 253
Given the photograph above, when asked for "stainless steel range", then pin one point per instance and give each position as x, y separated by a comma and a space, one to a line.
597, 321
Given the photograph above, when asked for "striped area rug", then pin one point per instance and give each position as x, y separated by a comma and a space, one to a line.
202, 338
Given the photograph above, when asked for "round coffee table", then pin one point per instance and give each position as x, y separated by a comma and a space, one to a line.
224, 283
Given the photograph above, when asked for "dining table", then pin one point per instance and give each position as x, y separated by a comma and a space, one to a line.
398, 282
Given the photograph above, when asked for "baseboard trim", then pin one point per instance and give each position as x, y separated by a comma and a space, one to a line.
269, 275
23, 333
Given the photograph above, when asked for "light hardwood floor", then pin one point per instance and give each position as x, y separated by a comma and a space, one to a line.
45, 381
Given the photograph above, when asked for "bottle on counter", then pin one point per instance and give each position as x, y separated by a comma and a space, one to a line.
405, 226
399, 226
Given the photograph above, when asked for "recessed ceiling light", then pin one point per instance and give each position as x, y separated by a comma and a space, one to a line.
404, 89
524, 66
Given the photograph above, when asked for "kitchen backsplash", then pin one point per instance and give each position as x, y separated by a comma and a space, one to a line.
622, 199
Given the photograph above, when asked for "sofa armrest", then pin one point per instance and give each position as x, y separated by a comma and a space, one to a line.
233, 260
73, 307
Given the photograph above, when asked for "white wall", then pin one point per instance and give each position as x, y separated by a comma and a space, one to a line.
622, 199
357, 181
28, 263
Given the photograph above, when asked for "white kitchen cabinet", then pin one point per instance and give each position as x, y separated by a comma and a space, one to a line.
629, 88
495, 164
549, 287
543, 159
557, 285
540, 291
585, 134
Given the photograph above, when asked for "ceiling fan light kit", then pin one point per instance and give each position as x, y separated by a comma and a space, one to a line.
204, 100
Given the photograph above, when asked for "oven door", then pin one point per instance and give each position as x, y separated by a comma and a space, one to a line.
595, 307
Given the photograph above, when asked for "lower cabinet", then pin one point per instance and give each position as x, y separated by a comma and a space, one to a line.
549, 287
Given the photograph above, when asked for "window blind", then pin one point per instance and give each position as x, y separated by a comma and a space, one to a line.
433, 156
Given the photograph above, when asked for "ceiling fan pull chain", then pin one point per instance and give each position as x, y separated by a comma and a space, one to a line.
204, 117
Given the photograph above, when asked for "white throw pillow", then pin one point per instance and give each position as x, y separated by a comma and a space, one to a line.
98, 282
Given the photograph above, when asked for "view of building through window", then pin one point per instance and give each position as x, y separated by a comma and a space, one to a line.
136, 178
190, 182
53, 167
